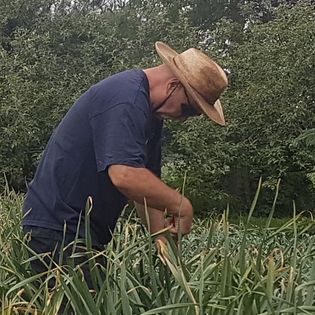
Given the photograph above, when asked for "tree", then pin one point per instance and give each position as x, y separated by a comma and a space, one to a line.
52, 52
269, 103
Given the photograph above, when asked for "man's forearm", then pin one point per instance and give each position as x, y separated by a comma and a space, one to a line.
140, 183
156, 218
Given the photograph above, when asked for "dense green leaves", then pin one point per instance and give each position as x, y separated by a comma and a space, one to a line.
270, 102
52, 51
45, 65
221, 268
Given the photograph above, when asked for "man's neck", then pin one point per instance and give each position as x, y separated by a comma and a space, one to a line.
157, 77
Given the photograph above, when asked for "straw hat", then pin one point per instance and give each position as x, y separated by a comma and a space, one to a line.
202, 78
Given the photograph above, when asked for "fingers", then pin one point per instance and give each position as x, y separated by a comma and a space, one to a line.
180, 225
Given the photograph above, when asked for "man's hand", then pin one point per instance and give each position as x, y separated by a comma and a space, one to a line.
181, 222
141, 185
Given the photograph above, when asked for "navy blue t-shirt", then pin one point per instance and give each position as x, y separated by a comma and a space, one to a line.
111, 123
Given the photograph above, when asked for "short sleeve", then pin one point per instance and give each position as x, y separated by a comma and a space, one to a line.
120, 136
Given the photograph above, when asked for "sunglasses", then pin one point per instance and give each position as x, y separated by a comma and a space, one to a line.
189, 110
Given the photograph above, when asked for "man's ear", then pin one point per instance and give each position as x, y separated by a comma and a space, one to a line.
171, 84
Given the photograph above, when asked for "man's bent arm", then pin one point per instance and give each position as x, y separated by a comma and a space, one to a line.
139, 183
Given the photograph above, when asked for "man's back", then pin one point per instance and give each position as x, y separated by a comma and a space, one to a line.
110, 124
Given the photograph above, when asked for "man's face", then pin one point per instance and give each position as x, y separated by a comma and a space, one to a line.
177, 105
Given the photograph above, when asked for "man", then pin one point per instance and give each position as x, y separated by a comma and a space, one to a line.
108, 148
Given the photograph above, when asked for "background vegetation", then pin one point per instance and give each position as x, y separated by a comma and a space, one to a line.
53, 50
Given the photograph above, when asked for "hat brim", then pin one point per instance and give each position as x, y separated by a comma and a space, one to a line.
213, 111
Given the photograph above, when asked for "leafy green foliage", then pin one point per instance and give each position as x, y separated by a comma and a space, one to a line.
219, 268
269, 103
53, 51
45, 66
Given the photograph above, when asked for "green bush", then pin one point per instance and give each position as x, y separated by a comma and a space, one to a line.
270, 102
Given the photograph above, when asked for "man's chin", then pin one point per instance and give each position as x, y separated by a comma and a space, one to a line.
164, 116
158, 116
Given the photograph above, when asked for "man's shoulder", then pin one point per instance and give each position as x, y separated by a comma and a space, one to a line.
129, 88
129, 80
